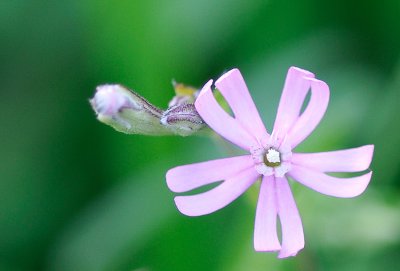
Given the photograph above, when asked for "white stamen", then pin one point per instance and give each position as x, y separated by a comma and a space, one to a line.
273, 156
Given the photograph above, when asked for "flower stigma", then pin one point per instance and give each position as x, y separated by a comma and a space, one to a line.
272, 158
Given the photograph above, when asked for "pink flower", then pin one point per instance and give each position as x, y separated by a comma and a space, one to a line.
270, 157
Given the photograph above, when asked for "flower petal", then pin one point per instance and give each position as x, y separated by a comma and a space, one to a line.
292, 228
312, 115
188, 177
350, 160
233, 87
293, 95
265, 232
328, 185
220, 121
217, 198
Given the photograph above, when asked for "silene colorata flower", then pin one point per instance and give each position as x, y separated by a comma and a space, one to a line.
270, 156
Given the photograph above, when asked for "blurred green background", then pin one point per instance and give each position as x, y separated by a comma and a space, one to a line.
77, 195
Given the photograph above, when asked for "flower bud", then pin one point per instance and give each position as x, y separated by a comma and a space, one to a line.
127, 112
182, 119
183, 94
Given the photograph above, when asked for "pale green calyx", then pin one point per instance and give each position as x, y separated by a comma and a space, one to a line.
128, 112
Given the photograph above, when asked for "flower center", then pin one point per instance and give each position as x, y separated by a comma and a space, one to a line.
272, 158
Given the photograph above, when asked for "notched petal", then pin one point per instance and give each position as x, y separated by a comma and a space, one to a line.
220, 121
233, 87
294, 92
312, 115
188, 177
219, 197
328, 185
292, 227
265, 226
349, 160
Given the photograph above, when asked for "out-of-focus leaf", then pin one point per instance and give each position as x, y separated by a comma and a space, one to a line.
116, 226
383, 130
364, 223
352, 87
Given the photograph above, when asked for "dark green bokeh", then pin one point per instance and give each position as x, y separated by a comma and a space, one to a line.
77, 195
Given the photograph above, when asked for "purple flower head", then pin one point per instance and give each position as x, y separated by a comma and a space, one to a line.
270, 156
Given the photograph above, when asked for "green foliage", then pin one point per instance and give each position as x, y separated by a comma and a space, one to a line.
76, 195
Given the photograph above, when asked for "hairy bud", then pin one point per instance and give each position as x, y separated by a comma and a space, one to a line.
126, 111
182, 119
